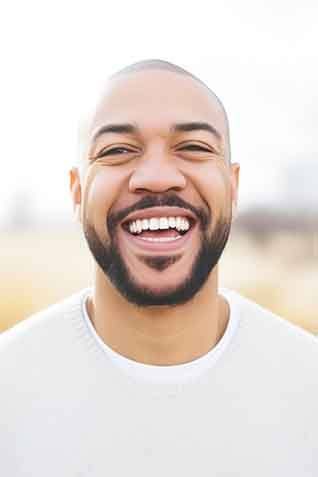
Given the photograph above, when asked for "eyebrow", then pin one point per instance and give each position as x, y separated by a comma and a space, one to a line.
114, 128
196, 126
127, 128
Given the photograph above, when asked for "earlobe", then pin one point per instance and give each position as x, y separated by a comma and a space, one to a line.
75, 187
234, 210
77, 212
235, 186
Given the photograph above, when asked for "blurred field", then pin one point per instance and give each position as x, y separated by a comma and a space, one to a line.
42, 267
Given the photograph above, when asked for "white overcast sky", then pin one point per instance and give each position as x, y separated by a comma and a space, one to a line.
260, 57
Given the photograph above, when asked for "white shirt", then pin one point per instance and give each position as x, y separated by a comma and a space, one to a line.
71, 407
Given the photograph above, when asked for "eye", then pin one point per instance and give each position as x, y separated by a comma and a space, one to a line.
195, 147
114, 151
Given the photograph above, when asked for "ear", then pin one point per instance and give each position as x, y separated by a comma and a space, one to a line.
235, 173
76, 192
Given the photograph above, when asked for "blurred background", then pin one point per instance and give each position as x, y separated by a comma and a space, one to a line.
260, 58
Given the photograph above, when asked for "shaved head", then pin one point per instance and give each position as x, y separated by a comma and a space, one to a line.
156, 64
153, 66
159, 65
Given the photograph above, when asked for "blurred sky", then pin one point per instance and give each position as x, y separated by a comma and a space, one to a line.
260, 58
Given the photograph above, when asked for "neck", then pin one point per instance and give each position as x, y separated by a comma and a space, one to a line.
159, 335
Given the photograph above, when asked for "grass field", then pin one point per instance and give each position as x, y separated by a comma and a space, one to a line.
42, 267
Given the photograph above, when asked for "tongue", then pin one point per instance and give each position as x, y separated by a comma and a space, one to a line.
159, 233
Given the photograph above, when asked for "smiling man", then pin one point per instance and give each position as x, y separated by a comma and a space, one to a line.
155, 370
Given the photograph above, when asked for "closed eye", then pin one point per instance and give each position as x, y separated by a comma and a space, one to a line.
114, 151
120, 150
195, 147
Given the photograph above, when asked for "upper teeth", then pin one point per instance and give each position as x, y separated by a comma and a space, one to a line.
156, 223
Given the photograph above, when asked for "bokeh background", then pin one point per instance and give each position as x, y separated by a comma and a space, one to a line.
260, 58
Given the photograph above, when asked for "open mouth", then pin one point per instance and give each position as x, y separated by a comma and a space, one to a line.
159, 234
159, 227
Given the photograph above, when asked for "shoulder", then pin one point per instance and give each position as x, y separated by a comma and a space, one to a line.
271, 368
40, 358
270, 336
39, 331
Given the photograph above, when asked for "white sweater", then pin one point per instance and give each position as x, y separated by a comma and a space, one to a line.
72, 407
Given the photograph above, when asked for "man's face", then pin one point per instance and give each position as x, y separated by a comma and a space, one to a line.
150, 159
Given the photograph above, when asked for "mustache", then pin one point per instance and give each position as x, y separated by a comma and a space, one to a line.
170, 200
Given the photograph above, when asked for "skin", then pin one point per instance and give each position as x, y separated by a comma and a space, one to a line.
156, 165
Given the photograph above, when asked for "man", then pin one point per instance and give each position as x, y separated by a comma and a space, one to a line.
155, 370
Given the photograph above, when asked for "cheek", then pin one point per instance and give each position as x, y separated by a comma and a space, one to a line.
102, 189
214, 184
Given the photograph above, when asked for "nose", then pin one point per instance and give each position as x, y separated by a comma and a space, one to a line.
157, 172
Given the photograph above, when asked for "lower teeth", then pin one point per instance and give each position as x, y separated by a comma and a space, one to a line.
162, 239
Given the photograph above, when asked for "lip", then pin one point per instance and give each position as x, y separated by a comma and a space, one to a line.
158, 247
160, 212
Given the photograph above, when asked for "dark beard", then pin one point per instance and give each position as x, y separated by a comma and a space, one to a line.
110, 261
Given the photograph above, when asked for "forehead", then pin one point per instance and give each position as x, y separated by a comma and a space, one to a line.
155, 99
